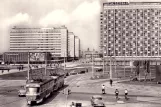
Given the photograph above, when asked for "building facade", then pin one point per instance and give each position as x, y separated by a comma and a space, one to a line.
71, 44
53, 40
131, 29
89, 54
77, 47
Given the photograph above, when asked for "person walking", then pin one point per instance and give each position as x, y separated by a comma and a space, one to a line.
69, 91
117, 94
72, 105
103, 89
126, 93
111, 82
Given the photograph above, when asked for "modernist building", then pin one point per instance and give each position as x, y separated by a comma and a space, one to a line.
41, 43
71, 44
77, 47
53, 40
131, 29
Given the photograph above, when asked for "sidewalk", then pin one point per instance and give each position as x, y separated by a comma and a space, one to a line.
11, 71
142, 96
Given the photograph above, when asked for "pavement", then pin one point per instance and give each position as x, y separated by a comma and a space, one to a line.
139, 95
82, 88
12, 71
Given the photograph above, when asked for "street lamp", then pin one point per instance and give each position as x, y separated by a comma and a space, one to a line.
28, 60
110, 68
64, 62
103, 59
92, 65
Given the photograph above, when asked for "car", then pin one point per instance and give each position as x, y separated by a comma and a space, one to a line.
82, 72
73, 72
96, 101
22, 92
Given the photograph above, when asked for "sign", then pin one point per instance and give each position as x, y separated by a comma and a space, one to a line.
37, 56
117, 3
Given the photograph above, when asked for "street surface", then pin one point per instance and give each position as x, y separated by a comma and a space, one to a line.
82, 88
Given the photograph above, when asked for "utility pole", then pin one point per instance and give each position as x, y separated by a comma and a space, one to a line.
124, 66
110, 68
103, 62
64, 61
45, 62
28, 58
92, 65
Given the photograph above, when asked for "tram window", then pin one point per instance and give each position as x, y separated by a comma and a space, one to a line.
38, 89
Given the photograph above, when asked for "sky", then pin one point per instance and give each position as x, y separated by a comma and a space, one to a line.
80, 17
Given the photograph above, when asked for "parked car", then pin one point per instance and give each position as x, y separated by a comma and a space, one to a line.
96, 101
82, 72
22, 92
73, 72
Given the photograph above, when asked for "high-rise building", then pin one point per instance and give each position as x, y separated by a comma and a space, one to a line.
71, 44
53, 40
131, 29
77, 47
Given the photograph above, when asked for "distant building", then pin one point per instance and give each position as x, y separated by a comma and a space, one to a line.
71, 44
53, 40
77, 47
89, 54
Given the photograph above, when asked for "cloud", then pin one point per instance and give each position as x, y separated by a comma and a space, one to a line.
54, 18
83, 21
19, 19
86, 10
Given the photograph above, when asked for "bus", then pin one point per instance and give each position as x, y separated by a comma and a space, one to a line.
38, 90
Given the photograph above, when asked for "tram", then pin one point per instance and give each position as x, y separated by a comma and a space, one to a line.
38, 90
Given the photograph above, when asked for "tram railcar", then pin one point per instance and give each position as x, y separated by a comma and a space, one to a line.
38, 90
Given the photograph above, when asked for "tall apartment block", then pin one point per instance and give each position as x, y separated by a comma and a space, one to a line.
131, 29
77, 47
37, 41
71, 44
52, 40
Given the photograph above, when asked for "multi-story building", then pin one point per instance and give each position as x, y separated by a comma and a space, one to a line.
89, 54
39, 42
131, 29
53, 40
71, 44
77, 47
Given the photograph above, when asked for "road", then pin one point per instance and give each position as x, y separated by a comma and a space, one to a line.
82, 89
9, 93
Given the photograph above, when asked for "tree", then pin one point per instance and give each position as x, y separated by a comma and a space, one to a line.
137, 65
146, 66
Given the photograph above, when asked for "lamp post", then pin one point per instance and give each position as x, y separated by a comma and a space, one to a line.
45, 62
64, 61
92, 65
103, 60
28, 60
110, 68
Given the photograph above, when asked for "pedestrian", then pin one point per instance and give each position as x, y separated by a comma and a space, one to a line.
117, 94
103, 89
72, 105
111, 82
69, 91
126, 93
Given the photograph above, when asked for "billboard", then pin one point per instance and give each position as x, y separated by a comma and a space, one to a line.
38, 56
